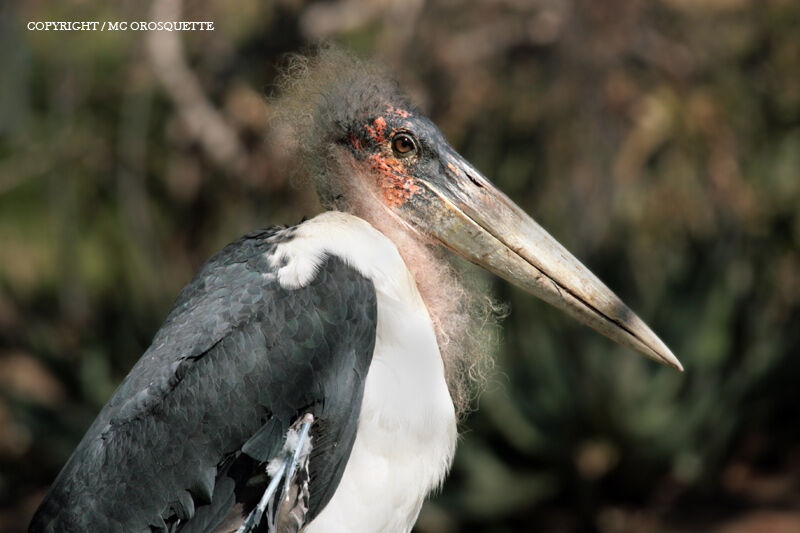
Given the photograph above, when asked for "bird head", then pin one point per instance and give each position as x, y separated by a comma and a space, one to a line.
365, 143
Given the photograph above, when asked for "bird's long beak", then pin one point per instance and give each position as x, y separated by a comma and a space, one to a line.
469, 215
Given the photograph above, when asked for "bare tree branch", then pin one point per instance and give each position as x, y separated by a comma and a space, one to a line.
218, 139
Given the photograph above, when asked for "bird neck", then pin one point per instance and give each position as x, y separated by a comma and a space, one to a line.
460, 313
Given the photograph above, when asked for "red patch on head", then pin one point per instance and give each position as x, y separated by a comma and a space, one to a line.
377, 129
396, 185
398, 111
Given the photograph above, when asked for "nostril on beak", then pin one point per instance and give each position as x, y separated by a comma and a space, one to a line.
474, 180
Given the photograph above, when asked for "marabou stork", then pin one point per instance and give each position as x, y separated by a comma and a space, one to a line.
301, 380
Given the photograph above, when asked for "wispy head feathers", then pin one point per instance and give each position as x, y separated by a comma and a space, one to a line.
323, 96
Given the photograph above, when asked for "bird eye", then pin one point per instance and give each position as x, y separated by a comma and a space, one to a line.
403, 144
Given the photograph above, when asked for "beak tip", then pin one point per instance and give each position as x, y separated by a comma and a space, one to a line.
669, 358
651, 345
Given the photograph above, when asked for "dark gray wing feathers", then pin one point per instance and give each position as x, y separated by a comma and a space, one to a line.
236, 361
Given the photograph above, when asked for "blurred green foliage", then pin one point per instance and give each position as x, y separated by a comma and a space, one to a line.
658, 140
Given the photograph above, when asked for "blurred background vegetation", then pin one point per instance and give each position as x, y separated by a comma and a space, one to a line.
658, 140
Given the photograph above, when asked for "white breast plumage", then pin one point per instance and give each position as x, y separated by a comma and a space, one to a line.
407, 427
